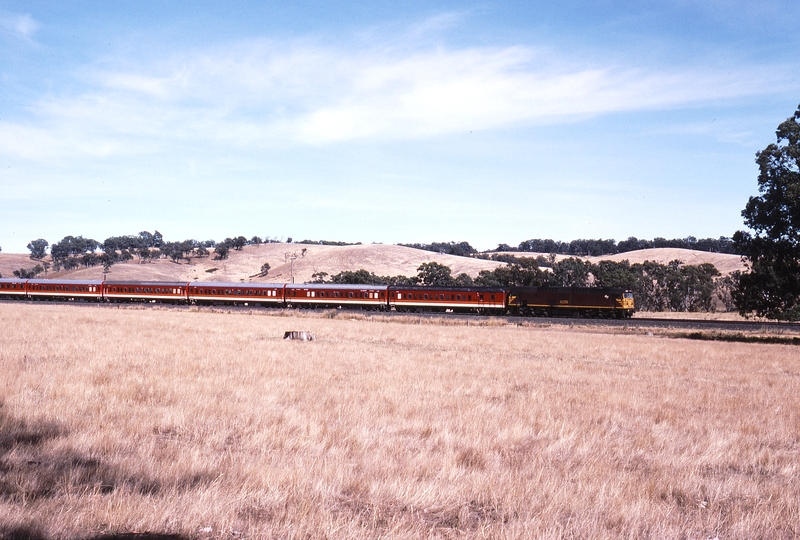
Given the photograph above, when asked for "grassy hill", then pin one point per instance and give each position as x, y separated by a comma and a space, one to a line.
244, 265
724, 262
384, 260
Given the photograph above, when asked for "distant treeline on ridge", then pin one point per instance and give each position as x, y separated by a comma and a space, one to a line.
587, 247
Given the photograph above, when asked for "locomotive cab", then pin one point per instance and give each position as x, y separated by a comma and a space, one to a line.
625, 303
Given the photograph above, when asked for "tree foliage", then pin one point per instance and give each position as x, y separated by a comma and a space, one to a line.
29, 273
38, 248
771, 287
461, 249
598, 247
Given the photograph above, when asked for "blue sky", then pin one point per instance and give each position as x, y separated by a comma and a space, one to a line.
388, 121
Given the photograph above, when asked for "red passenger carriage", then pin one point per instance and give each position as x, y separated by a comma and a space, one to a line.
335, 295
13, 288
250, 294
456, 299
67, 289
145, 291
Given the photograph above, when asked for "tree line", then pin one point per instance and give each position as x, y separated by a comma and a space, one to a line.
656, 287
461, 249
431, 274
585, 247
599, 247
73, 252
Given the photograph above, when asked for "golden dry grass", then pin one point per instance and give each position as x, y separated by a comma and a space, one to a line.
208, 424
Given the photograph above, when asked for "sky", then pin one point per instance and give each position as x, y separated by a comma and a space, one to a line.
388, 122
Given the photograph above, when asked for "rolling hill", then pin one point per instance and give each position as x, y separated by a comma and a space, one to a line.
384, 260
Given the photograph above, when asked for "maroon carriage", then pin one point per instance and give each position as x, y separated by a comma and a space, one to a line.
145, 291
455, 299
337, 295
249, 294
55, 289
13, 288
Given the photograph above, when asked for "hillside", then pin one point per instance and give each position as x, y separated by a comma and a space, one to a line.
724, 262
383, 260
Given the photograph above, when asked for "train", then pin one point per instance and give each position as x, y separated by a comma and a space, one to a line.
590, 302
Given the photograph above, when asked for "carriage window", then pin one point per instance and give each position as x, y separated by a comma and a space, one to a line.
492, 297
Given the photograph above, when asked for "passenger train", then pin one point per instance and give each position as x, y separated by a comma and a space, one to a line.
533, 301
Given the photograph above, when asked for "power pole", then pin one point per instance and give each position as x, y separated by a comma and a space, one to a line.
290, 257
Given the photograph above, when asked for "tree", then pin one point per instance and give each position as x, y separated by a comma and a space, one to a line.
358, 277
318, 277
31, 273
435, 274
221, 251
572, 272
771, 286
461, 249
520, 272
38, 249
238, 243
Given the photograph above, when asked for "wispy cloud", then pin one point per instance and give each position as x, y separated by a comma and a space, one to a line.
265, 92
19, 26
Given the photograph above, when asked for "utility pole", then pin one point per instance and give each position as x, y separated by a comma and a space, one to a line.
290, 257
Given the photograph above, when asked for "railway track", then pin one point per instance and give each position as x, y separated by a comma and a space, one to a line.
643, 323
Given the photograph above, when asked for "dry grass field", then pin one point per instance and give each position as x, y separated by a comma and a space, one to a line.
206, 424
